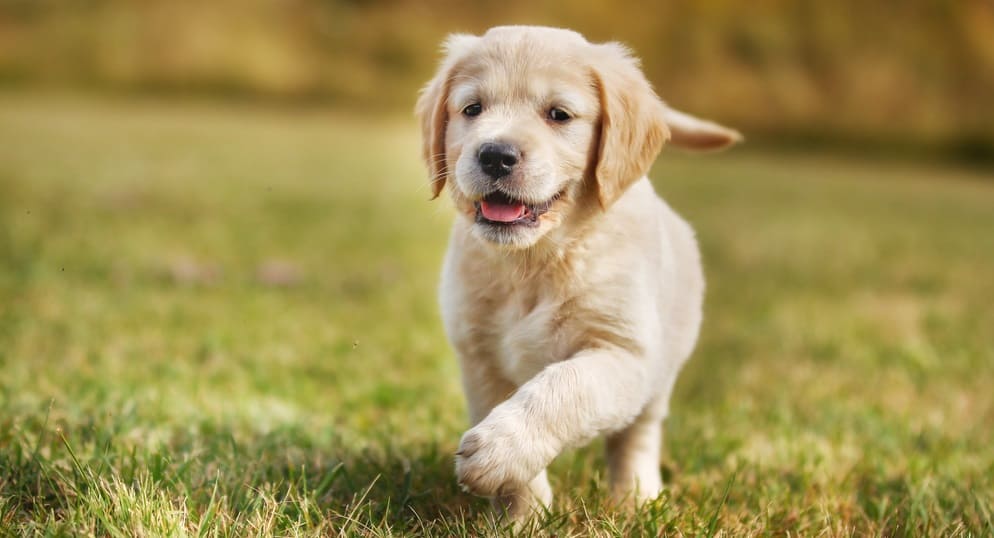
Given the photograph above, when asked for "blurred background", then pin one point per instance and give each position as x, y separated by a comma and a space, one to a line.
916, 76
219, 268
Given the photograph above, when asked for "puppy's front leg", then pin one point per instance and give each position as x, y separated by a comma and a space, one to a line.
485, 388
568, 403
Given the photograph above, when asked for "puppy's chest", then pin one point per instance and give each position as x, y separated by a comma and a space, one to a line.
530, 333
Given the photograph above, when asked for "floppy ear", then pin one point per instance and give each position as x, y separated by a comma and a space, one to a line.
696, 134
432, 111
632, 123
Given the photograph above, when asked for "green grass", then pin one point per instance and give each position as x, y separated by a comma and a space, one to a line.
221, 321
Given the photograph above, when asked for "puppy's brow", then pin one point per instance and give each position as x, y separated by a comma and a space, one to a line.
569, 99
463, 94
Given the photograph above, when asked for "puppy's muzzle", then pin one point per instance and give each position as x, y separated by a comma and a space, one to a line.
498, 159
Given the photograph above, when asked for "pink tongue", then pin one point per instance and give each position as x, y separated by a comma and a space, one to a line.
502, 212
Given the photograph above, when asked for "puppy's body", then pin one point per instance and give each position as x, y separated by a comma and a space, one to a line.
627, 294
571, 293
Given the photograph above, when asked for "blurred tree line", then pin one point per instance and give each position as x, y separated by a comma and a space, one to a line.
890, 72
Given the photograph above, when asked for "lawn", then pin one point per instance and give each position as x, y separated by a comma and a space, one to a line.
221, 321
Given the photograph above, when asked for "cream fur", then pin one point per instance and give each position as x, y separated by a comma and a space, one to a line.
576, 327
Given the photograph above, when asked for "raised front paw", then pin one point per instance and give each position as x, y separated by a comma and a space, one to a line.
498, 456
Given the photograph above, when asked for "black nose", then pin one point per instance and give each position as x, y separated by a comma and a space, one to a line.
497, 159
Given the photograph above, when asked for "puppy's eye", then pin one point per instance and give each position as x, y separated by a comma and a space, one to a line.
473, 110
559, 115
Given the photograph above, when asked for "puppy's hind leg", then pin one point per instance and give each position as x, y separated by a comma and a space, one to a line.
633, 461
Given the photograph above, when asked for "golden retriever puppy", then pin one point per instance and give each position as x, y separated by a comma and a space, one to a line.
570, 291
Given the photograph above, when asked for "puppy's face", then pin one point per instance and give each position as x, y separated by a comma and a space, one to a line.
532, 126
522, 124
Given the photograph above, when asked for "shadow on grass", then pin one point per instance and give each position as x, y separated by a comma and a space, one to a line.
221, 478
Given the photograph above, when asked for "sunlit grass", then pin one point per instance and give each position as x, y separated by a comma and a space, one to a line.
222, 321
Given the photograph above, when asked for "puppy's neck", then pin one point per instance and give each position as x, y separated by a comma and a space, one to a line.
556, 257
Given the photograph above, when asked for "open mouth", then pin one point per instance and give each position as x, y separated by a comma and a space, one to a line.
502, 210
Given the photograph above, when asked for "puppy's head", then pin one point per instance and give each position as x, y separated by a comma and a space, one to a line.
534, 126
